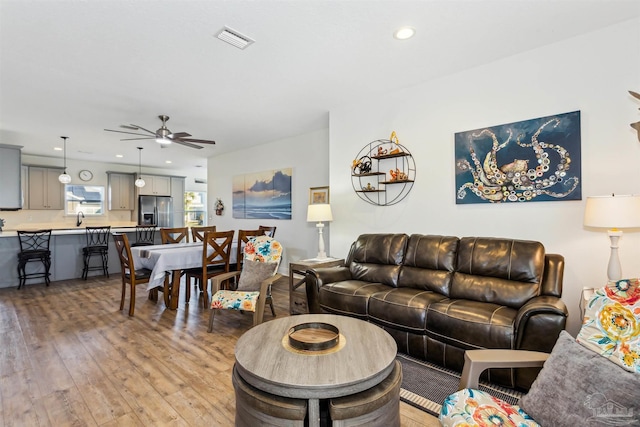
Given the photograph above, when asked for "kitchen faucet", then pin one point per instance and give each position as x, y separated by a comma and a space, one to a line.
78, 219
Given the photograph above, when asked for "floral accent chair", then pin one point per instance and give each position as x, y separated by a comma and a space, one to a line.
261, 259
591, 380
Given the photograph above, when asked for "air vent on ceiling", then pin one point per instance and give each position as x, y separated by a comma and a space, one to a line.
234, 38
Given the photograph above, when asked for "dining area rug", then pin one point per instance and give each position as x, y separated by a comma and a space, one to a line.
425, 385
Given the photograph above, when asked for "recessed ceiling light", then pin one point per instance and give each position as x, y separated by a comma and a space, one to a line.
119, 156
168, 161
404, 33
57, 148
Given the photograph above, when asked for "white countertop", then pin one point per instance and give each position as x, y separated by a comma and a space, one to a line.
68, 231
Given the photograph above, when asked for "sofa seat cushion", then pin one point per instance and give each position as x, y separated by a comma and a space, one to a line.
471, 324
404, 309
349, 297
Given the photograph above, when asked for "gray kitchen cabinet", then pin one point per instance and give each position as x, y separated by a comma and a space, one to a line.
45, 191
10, 161
156, 185
121, 191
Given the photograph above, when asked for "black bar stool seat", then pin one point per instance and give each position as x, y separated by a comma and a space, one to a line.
97, 244
34, 247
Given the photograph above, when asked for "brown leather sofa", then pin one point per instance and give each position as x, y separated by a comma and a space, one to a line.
441, 295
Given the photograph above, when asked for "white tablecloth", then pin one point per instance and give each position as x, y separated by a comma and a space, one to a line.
162, 258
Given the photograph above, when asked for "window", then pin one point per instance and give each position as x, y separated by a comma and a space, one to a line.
195, 208
88, 199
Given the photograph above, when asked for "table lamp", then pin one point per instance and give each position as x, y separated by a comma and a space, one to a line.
613, 212
319, 213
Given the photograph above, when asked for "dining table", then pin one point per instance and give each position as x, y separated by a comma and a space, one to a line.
171, 258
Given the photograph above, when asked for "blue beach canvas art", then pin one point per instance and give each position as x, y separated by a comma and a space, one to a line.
262, 195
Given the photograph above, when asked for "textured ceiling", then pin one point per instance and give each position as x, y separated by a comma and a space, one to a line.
75, 68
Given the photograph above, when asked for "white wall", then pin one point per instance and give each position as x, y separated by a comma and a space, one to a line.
591, 73
308, 155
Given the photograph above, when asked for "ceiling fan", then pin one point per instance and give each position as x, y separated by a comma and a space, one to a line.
163, 135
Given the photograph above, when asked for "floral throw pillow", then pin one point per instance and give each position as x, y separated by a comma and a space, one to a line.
611, 325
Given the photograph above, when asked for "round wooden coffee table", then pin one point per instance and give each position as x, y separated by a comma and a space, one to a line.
363, 358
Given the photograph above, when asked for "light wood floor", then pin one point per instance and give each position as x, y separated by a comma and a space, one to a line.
69, 357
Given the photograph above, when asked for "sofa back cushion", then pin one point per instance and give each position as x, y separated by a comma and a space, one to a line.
501, 271
377, 258
429, 263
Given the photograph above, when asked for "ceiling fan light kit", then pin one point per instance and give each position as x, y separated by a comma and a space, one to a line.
64, 177
163, 135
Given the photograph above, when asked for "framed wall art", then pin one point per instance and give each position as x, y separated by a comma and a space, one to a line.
527, 161
318, 195
262, 195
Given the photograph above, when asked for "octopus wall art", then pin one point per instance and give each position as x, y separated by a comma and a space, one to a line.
532, 160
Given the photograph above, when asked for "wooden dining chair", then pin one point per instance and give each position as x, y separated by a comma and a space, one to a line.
216, 255
130, 276
243, 238
174, 235
197, 233
268, 230
260, 270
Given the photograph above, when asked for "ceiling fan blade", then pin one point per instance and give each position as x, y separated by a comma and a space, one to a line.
178, 135
135, 139
130, 127
146, 130
199, 141
187, 144
121, 131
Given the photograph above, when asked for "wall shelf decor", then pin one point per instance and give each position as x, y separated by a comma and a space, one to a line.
383, 172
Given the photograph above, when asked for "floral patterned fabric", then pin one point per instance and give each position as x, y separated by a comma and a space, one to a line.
263, 249
235, 300
260, 249
611, 327
469, 407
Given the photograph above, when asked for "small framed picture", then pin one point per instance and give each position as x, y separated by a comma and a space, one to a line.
318, 195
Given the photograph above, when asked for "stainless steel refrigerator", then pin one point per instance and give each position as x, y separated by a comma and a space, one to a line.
155, 210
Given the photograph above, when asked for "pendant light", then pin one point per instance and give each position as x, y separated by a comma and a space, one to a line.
139, 182
64, 177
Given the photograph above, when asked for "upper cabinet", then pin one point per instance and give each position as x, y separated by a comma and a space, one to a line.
45, 191
156, 185
121, 191
10, 161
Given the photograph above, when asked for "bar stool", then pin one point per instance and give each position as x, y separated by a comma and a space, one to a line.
145, 235
34, 247
97, 244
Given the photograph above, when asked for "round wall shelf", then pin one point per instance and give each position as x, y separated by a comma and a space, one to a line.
383, 172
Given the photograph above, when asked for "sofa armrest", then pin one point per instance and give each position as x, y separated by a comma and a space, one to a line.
539, 322
477, 361
318, 277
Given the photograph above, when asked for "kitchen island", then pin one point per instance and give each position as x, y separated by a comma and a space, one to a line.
66, 254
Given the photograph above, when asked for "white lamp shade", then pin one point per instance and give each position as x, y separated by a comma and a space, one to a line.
64, 178
139, 183
621, 211
319, 213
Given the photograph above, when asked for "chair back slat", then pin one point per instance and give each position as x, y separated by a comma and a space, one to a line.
268, 230
145, 235
220, 243
34, 240
98, 236
174, 235
124, 252
197, 233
